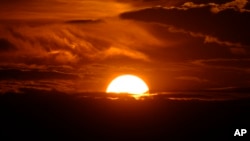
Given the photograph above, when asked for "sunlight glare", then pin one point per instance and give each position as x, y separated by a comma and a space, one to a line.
130, 84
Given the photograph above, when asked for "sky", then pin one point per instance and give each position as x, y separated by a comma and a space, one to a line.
81, 45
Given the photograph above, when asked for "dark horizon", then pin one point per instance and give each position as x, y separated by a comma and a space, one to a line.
41, 115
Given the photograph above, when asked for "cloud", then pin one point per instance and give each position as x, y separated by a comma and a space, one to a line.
5, 45
70, 43
64, 78
237, 5
65, 86
82, 44
113, 51
95, 9
235, 48
238, 64
138, 4
66, 50
224, 72
209, 39
201, 74
60, 9
200, 22
83, 21
192, 78
16, 74
192, 45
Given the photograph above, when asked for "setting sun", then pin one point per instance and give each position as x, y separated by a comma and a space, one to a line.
127, 84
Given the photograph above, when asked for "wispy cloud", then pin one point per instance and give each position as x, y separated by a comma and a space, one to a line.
198, 21
235, 48
71, 43
238, 64
237, 5
63, 51
48, 85
192, 78
60, 9
84, 44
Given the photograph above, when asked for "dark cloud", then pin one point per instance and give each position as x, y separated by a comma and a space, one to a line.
169, 3
18, 85
199, 74
225, 63
138, 4
232, 90
145, 3
14, 74
236, 5
192, 78
248, 6
183, 45
227, 25
15, 1
209, 1
224, 72
82, 21
5, 45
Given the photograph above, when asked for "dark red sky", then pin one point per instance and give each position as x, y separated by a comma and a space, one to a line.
75, 45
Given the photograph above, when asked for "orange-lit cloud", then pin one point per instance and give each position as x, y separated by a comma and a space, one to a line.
80, 45
235, 48
71, 43
58, 51
60, 9
237, 5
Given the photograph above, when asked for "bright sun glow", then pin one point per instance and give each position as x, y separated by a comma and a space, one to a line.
127, 84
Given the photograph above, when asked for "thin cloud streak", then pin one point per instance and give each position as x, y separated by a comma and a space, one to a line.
73, 43
60, 9
235, 48
192, 78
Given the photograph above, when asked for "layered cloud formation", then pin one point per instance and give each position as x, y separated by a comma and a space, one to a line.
82, 45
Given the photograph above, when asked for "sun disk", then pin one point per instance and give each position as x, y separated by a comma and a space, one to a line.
130, 84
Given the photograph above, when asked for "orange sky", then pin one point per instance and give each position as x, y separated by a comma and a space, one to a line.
81, 45
61, 9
